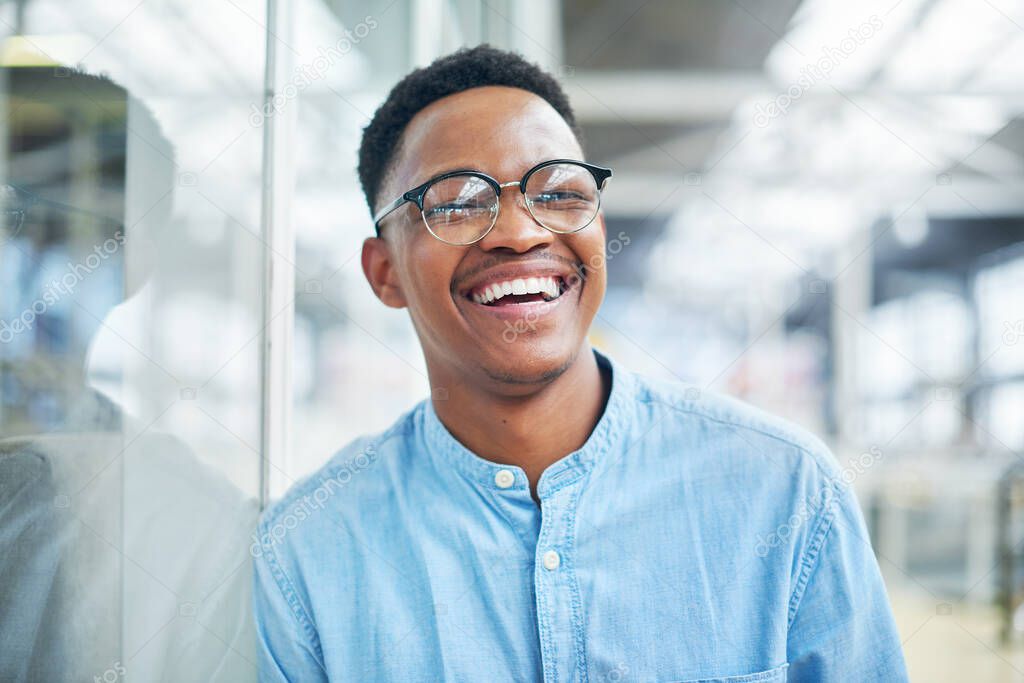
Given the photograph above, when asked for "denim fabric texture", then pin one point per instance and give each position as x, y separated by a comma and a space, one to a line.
691, 538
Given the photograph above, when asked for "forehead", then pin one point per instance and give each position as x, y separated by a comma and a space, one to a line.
498, 130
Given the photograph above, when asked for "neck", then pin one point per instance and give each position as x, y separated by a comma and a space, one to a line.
533, 430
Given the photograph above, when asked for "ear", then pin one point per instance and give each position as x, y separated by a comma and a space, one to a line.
380, 272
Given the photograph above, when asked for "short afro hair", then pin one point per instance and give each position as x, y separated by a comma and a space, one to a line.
462, 70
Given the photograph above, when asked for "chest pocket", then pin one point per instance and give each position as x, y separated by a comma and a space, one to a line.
771, 676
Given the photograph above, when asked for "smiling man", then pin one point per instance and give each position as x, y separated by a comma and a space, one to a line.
547, 514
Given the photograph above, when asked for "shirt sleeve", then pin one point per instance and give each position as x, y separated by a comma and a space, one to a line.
285, 639
841, 623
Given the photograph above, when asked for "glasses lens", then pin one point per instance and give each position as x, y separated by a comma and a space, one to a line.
563, 197
460, 209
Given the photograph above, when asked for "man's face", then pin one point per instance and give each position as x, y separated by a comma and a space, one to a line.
515, 342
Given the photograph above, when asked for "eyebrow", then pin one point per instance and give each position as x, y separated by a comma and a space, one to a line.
449, 169
456, 169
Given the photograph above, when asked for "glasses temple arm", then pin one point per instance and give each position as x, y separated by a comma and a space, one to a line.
386, 210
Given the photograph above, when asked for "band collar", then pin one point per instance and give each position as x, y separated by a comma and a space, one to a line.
449, 452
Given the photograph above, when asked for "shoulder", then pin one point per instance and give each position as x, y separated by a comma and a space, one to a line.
791, 484
23, 466
721, 422
359, 467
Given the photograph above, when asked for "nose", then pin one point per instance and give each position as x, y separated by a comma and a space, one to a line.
515, 229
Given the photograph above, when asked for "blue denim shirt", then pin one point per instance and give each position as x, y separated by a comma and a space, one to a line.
691, 538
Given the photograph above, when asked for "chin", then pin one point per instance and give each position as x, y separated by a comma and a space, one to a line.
530, 364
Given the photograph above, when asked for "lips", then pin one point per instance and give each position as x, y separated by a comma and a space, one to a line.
532, 289
516, 278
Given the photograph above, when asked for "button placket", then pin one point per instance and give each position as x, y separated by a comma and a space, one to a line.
554, 581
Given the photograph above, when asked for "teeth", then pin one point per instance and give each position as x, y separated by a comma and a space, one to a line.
548, 286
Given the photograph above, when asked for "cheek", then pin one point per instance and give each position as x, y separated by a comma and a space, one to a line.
590, 250
430, 270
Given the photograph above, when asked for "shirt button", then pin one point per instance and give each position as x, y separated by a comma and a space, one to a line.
551, 560
504, 478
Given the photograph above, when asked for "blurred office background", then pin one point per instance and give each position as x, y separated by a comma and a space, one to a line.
818, 207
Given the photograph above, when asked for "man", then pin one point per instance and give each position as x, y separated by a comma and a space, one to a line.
547, 515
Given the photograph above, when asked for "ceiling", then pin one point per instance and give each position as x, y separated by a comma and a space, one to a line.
920, 108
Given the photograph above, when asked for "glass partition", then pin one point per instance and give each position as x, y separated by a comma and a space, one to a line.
132, 270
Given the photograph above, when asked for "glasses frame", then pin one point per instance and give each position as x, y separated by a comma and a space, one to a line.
416, 195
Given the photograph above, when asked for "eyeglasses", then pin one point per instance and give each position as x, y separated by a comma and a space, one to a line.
461, 207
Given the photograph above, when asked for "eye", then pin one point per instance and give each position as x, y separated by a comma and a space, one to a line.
562, 200
444, 210
558, 196
453, 211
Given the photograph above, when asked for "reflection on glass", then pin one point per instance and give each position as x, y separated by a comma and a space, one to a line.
129, 293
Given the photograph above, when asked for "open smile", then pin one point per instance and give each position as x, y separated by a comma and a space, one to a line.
518, 297
518, 291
